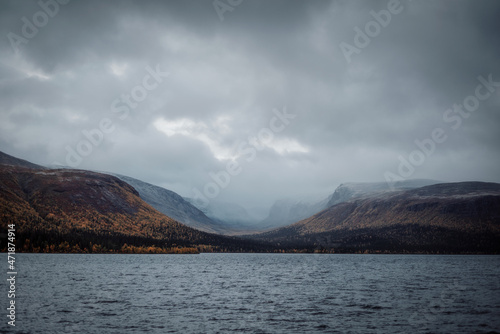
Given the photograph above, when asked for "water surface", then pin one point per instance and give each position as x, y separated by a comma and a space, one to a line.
255, 293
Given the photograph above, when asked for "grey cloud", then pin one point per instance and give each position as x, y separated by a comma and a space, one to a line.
355, 118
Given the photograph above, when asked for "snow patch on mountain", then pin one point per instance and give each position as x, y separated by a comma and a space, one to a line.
347, 191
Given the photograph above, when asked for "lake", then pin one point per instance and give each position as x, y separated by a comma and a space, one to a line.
255, 293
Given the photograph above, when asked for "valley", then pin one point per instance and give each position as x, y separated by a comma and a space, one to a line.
70, 210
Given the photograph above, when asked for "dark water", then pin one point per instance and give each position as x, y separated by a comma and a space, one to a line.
255, 293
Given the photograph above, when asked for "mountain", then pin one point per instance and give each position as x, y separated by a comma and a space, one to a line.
6, 159
346, 191
168, 203
70, 210
163, 200
287, 211
76, 210
448, 217
173, 205
231, 217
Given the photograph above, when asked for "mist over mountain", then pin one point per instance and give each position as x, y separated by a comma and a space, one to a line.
174, 97
346, 191
250, 126
173, 205
231, 217
287, 211
447, 217
6, 159
71, 210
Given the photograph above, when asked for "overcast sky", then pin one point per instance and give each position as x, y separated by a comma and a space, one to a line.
356, 102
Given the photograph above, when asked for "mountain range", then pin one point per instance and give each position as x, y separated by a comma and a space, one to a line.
445, 217
62, 210
287, 211
84, 211
347, 191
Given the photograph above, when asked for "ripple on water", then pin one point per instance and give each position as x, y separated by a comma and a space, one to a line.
257, 293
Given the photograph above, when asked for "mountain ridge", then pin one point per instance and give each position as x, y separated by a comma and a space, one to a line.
72, 210
94, 212
349, 190
468, 211
173, 205
6, 159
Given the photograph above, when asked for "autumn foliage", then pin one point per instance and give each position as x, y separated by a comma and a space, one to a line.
75, 211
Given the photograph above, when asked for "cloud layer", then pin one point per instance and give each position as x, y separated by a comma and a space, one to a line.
91, 66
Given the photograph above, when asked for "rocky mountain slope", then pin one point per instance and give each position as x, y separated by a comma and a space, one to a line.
57, 210
173, 205
9, 160
68, 210
450, 217
288, 211
346, 191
